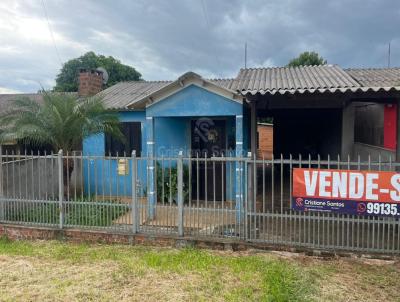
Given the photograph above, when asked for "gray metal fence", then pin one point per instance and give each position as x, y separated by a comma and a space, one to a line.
241, 199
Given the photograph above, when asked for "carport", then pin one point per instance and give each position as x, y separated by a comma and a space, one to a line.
314, 108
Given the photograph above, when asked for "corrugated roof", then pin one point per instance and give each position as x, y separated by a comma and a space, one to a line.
293, 79
6, 100
124, 93
117, 96
273, 80
376, 77
225, 83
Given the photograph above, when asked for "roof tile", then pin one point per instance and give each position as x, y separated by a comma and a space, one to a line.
288, 78
376, 77
272, 80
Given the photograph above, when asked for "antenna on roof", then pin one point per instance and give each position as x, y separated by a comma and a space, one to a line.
245, 55
389, 56
104, 74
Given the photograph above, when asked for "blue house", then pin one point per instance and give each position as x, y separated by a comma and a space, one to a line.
192, 116
316, 111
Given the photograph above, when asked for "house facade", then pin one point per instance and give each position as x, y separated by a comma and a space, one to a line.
192, 117
316, 112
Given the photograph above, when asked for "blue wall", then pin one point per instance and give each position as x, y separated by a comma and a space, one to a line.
95, 145
172, 127
194, 101
171, 135
100, 173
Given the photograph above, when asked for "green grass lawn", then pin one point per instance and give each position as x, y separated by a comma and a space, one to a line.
58, 271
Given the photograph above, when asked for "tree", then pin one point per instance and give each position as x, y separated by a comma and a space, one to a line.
61, 121
306, 59
67, 79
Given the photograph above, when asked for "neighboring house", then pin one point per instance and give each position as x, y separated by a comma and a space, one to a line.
6, 101
376, 122
13, 147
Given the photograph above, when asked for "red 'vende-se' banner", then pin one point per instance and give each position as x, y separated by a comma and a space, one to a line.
346, 191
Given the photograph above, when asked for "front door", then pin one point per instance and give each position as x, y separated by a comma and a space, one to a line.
208, 177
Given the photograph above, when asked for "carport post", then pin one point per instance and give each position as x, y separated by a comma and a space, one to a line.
134, 205
151, 198
61, 187
251, 189
253, 127
180, 193
239, 163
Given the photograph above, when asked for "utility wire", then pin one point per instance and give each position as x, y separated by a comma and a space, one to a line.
51, 32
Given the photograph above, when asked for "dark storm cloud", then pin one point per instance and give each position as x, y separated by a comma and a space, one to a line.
163, 39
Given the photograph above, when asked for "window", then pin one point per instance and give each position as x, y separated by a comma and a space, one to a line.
133, 134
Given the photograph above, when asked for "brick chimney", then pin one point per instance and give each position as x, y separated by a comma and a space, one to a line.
90, 82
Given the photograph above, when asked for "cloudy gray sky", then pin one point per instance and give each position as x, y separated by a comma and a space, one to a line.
163, 39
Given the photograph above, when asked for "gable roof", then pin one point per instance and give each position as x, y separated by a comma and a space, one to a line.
376, 77
188, 78
120, 95
293, 79
134, 94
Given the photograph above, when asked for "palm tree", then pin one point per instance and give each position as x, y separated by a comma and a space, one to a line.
60, 121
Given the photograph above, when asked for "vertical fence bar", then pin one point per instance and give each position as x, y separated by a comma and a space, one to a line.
263, 197
134, 195
281, 193
1, 186
32, 176
254, 195
244, 173
68, 180
290, 212
272, 183
180, 193
60, 187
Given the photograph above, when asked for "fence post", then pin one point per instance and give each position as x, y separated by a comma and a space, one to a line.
61, 187
134, 205
2, 201
180, 193
248, 175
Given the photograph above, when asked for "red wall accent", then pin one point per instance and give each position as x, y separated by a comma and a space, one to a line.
390, 126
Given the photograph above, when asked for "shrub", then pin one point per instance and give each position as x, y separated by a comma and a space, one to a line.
167, 177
